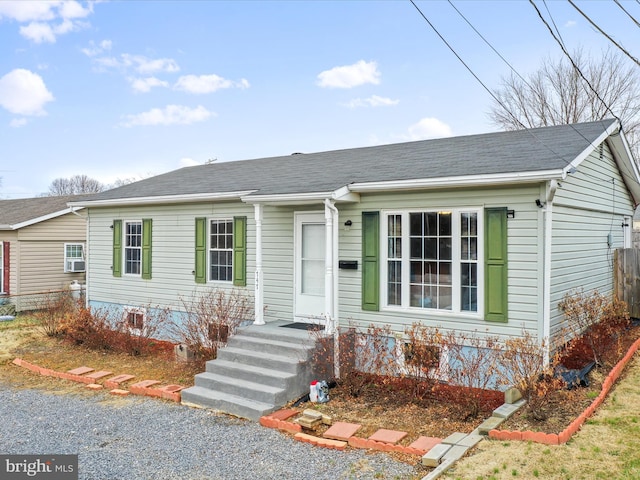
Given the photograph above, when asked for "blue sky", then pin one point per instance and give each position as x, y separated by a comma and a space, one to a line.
128, 89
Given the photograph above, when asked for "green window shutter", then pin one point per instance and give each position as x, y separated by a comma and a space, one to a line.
201, 250
240, 251
370, 261
495, 268
146, 248
116, 266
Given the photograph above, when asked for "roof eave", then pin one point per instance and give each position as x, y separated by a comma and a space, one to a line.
458, 181
162, 199
33, 221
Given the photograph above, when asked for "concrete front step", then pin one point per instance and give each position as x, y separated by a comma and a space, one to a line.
270, 345
291, 364
251, 373
276, 331
241, 388
227, 403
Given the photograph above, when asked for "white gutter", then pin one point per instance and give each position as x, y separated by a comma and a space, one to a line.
33, 221
342, 194
259, 288
459, 181
330, 214
615, 126
162, 199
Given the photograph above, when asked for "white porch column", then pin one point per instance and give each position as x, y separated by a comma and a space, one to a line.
259, 288
329, 305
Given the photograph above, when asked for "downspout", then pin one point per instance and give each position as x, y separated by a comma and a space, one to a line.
332, 215
258, 297
86, 257
546, 299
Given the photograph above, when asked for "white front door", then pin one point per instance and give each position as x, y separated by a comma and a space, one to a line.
309, 267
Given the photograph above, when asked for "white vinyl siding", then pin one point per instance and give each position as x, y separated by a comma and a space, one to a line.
173, 254
588, 209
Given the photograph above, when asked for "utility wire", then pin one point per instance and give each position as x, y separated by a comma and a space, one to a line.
493, 95
576, 68
553, 21
595, 25
628, 14
512, 68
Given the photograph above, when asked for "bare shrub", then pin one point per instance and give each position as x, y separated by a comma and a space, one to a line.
52, 309
523, 366
472, 361
90, 328
137, 337
211, 318
595, 322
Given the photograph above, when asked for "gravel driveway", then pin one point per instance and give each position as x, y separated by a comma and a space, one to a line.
140, 438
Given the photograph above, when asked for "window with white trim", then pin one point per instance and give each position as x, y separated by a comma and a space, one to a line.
1, 267
221, 250
431, 260
74, 257
132, 248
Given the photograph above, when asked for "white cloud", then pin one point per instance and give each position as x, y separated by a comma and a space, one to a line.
188, 162
348, 76
372, 101
570, 23
40, 17
199, 84
170, 115
144, 85
24, 93
18, 122
428, 128
139, 63
92, 50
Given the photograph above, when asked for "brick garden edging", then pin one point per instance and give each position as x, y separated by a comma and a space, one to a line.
567, 433
168, 392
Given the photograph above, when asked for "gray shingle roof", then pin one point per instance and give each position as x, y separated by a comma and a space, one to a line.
533, 150
13, 212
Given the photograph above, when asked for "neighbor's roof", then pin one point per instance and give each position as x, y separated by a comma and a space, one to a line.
514, 153
15, 214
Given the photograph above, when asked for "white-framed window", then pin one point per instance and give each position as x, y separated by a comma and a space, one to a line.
221, 250
432, 260
74, 257
134, 319
2, 268
132, 248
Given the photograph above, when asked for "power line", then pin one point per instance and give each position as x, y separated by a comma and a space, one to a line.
628, 14
513, 69
482, 83
595, 25
576, 68
553, 21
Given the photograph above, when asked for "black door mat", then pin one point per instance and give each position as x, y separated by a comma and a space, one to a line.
309, 327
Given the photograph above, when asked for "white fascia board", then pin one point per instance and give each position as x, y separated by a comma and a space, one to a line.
163, 199
587, 151
343, 194
43, 218
627, 166
460, 181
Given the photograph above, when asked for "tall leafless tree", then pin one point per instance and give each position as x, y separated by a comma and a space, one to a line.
557, 94
77, 184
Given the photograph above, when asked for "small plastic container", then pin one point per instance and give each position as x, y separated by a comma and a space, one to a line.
313, 391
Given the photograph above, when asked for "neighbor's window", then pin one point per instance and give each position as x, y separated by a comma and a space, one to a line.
74, 257
221, 250
132, 248
432, 260
1, 267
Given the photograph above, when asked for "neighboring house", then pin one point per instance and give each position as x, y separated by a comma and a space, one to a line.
42, 244
481, 233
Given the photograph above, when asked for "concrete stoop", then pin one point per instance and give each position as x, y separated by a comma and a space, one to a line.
260, 369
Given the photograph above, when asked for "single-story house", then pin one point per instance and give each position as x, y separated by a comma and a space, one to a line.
42, 245
478, 233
